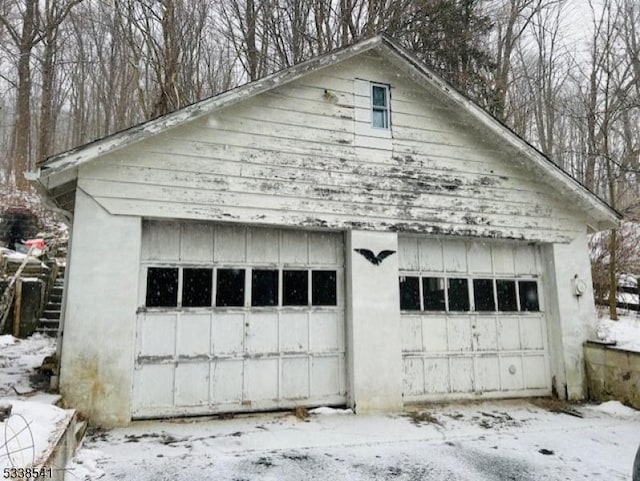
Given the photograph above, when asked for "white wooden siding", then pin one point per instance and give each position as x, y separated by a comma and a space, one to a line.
296, 156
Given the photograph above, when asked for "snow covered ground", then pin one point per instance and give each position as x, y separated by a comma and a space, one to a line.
18, 360
500, 440
30, 433
625, 331
35, 424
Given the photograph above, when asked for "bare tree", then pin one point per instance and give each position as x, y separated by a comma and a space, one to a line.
53, 14
21, 23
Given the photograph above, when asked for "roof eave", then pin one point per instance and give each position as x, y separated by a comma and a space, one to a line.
73, 158
603, 216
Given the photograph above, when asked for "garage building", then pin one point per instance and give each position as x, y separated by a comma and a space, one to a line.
348, 231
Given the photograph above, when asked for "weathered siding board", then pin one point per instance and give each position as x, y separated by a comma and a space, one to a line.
296, 155
355, 187
177, 153
263, 208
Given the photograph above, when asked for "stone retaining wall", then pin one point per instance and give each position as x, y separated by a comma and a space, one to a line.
612, 374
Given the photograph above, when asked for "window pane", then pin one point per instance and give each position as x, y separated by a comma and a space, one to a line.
264, 287
230, 287
528, 296
162, 287
506, 291
380, 119
458, 295
323, 288
433, 293
295, 288
379, 95
409, 293
196, 287
483, 295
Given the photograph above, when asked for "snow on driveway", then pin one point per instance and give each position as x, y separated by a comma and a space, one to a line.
500, 440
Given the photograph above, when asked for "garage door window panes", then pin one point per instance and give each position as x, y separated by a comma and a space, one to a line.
323, 288
433, 293
264, 288
528, 291
230, 288
509, 295
483, 297
162, 287
295, 288
410, 293
458, 294
506, 291
198, 288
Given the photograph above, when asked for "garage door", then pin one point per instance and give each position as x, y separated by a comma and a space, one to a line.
472, 317
238, 319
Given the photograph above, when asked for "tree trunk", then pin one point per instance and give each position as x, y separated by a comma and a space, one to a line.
21, 134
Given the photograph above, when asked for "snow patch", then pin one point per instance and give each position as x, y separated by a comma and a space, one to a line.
19, 359
625, 332
7, 340
86, 465
616, 408
324, 411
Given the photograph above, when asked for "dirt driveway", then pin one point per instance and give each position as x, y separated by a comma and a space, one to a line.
511, 440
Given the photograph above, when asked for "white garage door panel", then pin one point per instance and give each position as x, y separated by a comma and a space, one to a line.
260, 380
470, 354
227, 381
151, 342
435, 334
200, 360
509, 334
294, 332
532, 333
326, 332
511, 375
192, 383
437, 375
460, 334
228, 334
411, 332
413, 375
461, 374
261, 334
485, 333
486, 369
194, 333
155, 385
327, 376
534, 372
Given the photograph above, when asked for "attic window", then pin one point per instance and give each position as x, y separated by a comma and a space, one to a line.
380, 106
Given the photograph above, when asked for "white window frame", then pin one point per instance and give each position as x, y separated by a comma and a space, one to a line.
387, 108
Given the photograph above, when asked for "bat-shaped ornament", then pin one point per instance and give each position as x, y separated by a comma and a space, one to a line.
376, 260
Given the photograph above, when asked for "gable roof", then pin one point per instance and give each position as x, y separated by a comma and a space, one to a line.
58, 173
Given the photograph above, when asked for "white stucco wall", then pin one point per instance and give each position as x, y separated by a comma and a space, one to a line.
570, 316
99, 324
374, 348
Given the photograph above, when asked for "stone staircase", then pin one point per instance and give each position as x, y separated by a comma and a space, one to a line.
49, 323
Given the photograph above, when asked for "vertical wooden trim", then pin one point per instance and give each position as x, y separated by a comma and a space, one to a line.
17, 308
